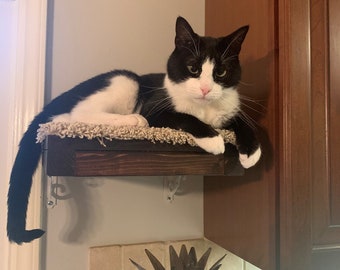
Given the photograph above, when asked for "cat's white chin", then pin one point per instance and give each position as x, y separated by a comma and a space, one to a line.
249, 161
213, 145
203, 100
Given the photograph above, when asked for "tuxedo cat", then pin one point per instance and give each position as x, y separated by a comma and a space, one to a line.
197, 94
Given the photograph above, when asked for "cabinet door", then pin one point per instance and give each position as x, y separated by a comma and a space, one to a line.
325, 42
240, 212
295, 204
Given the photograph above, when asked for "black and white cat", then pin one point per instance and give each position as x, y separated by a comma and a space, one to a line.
197, 94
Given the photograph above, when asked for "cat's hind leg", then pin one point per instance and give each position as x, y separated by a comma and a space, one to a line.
113, 105
103, 118
112, 119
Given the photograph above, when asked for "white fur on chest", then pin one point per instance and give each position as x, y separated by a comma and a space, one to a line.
215, 108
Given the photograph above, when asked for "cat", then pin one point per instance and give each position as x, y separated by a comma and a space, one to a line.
197, 94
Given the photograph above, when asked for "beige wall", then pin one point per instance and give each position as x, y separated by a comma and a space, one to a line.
86, 38
90, 37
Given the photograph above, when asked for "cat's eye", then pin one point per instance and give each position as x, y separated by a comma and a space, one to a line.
193, 70
221, 74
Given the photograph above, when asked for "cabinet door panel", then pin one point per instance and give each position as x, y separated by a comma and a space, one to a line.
325, 42
239, 212
334, 109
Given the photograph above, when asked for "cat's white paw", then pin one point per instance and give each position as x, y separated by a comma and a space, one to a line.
136, 120
214, 145
249, 161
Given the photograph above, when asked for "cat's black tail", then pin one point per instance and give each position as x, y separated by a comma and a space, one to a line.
25, 164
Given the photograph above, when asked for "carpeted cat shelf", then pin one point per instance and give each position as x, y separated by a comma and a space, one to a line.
79, 149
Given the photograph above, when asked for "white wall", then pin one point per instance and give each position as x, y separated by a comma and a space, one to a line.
86, 38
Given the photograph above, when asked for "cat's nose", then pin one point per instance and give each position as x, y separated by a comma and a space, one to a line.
205, 90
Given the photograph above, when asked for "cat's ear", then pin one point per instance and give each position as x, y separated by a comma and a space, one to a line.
185, 36
232, 43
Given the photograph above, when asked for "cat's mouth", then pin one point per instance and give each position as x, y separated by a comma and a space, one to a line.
204, 99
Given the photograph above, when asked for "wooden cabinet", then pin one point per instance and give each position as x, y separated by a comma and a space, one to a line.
284, 214
240, 212
325, 107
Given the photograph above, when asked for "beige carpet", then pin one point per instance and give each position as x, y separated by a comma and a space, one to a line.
91, 131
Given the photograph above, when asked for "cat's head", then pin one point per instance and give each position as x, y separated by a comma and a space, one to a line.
204, 67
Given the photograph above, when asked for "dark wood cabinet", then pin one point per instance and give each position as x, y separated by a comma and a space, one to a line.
284, 214
240, 212
325, 104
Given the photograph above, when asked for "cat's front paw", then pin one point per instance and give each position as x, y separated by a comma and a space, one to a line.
214, 145
248, 161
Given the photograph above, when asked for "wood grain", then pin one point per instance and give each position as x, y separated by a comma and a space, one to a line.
240, 212
295, 129
334, 108
82, 157
107, 163
326, 144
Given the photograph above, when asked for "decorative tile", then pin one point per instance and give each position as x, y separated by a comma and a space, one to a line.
118, 257
105, 258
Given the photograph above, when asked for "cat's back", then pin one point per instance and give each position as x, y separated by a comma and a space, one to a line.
65, 102
151, 81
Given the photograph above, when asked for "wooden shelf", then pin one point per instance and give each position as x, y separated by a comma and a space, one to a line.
83, 157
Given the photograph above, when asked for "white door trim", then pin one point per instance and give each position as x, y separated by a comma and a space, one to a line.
26, 96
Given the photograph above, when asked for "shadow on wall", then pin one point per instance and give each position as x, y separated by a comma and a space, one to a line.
77, 196
82, 199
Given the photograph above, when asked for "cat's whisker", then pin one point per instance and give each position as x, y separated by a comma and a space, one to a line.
160, 105
251, 108
152, 89
245, 83
158, 108
160, 100
254, 101
230, 57
161, 109
248, 120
